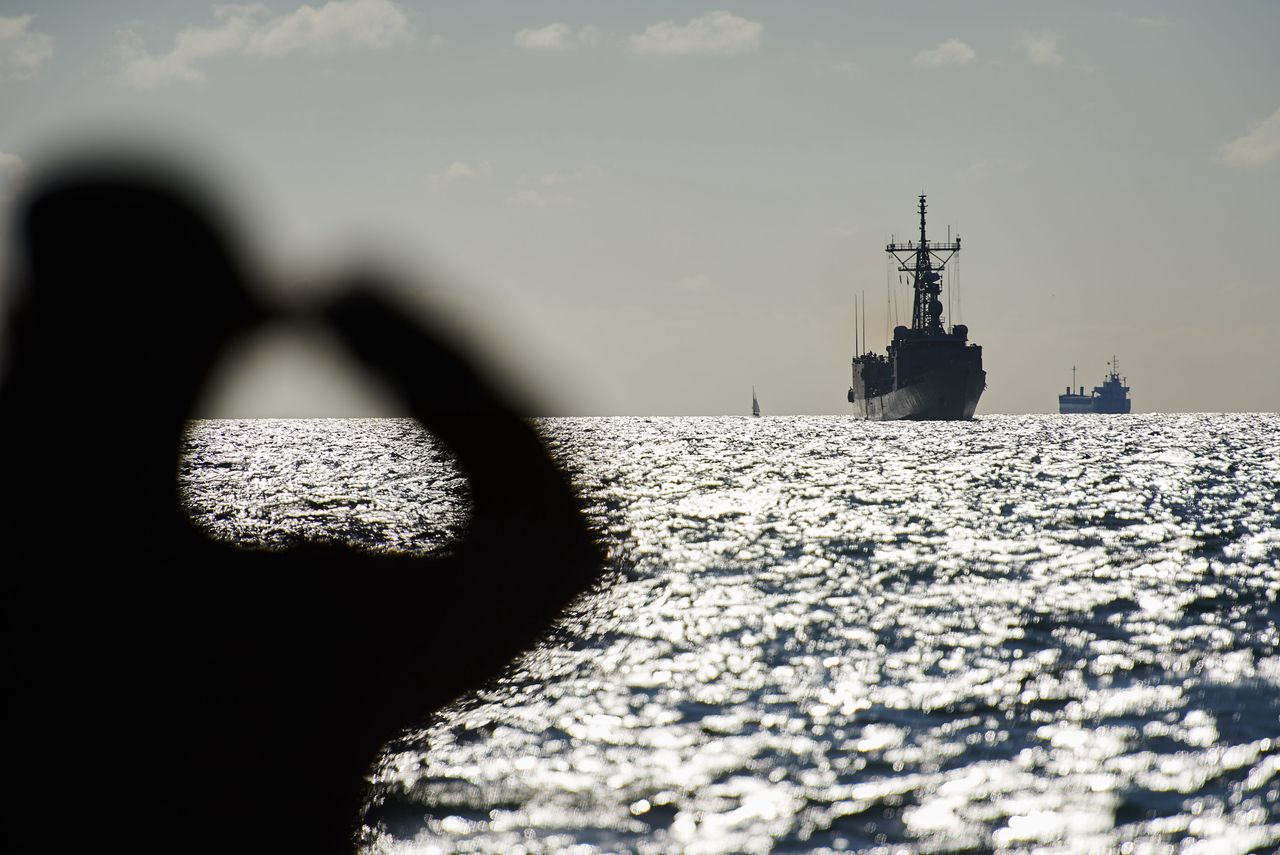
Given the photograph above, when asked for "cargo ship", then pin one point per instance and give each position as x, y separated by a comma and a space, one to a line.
1111, 397
931, 372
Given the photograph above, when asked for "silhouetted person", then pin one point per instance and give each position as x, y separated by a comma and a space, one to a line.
166, 692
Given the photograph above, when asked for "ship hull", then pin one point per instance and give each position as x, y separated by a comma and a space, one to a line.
947, 394
1068, 404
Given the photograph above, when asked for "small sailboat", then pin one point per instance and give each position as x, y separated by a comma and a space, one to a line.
755, 405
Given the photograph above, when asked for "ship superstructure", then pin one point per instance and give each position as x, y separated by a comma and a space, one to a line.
1111, 397
930, 372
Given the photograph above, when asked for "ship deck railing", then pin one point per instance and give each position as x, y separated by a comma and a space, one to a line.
917, 245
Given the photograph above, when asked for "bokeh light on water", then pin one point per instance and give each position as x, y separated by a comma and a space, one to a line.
1020, 633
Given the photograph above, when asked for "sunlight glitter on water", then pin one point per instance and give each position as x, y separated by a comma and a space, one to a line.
824, 635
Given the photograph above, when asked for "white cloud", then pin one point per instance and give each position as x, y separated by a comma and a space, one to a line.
193, 45
1257, 148
557, 37
337, 25
13, 170
460, 171
550, 37
530, 199
950, 52
535, 190
715, 33
1040, 48
248, 31
22, 51
694, 282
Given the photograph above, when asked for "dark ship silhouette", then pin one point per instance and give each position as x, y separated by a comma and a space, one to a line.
929, 373
1111, 397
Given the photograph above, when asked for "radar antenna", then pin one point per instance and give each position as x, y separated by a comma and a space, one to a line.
925, 261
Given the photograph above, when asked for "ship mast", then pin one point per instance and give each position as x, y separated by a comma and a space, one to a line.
925, 262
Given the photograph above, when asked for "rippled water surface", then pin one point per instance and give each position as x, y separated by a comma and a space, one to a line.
1034, 632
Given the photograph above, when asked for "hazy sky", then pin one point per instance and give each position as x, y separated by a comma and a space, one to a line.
646, 208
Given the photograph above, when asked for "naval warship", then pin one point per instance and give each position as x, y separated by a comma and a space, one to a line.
931, 372
1111, 397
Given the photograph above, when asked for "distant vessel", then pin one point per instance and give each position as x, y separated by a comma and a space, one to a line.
929, 373
1111, 397
755, 405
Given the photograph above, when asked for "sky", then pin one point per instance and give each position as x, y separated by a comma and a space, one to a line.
649, 208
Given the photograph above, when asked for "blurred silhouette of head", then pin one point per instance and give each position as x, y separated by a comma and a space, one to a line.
126, 292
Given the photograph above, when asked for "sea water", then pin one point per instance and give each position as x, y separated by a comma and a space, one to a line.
1050, 633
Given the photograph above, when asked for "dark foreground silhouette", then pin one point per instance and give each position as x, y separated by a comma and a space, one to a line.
166, 692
